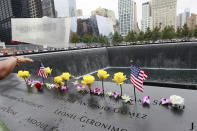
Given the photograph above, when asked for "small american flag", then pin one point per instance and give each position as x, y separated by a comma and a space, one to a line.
137, 77
41, 71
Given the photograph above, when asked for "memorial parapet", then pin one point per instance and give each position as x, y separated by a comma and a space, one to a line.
72, 111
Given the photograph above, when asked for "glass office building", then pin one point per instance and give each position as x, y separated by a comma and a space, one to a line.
16, 9
11, 9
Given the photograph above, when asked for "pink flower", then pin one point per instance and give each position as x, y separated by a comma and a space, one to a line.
146, 100
116, 94
63, 88
97, 91
165, 101
81, 87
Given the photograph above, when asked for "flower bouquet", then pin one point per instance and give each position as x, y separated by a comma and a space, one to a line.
29, 83
59, 84
66, 77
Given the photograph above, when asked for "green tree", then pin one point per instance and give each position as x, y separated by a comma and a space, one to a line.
195, 32
179, 32
75, 38
103, 39
185, 31
117, 38
86, 39
148, 34
131, 36
140, 36
156, 34
95, 39
168, 32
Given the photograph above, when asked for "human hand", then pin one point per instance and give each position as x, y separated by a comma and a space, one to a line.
23, 59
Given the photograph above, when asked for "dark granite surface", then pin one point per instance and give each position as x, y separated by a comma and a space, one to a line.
72, 111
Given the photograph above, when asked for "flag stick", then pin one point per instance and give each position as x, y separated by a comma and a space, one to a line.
131, 61
134, 92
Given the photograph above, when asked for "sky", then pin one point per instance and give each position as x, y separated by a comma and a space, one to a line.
88, 5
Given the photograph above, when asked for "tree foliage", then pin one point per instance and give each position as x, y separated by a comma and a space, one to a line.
87, 38
195, 32
168, 32
131, 36
148, 34
117, 38
156, 34
75, 38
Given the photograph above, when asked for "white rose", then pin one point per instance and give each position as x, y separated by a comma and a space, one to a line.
177, 100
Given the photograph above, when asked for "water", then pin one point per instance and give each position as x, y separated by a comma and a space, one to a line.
161, 75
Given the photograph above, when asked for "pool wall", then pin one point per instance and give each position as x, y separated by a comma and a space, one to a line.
80, 62
155, 56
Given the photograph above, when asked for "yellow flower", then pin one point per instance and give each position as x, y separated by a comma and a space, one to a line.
102, 74
119, 78
88, 80
48, 71
24, 74
20, 73
66, 76
58, 81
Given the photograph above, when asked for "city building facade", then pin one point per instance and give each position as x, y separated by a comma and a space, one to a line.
92, 25
11, 9
127, 16
35, 8
79, 12
48, 8
164, 13
105, 13
72, 8
146, 16
179, 20
65, 8
192, 21
185, 18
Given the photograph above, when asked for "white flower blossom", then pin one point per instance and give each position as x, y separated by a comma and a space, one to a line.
126, 98
177, 100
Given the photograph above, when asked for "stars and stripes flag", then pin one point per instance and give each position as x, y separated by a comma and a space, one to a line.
137, 77
41, 71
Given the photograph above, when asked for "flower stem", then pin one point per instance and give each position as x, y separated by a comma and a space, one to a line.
89, 88
103, 87
121, 89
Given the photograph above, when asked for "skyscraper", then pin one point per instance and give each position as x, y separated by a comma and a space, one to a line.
105, 13
164, 13
48, 8
79, 12
65, 8
192, 21
127, 16
72, 8
185, 16
179, 20
11, 9
146, 16
35, 8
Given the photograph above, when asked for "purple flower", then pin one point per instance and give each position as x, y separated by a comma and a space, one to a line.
116, 94
75, 84
146, 100
97, 91
81, 87
165, 101
63, 88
